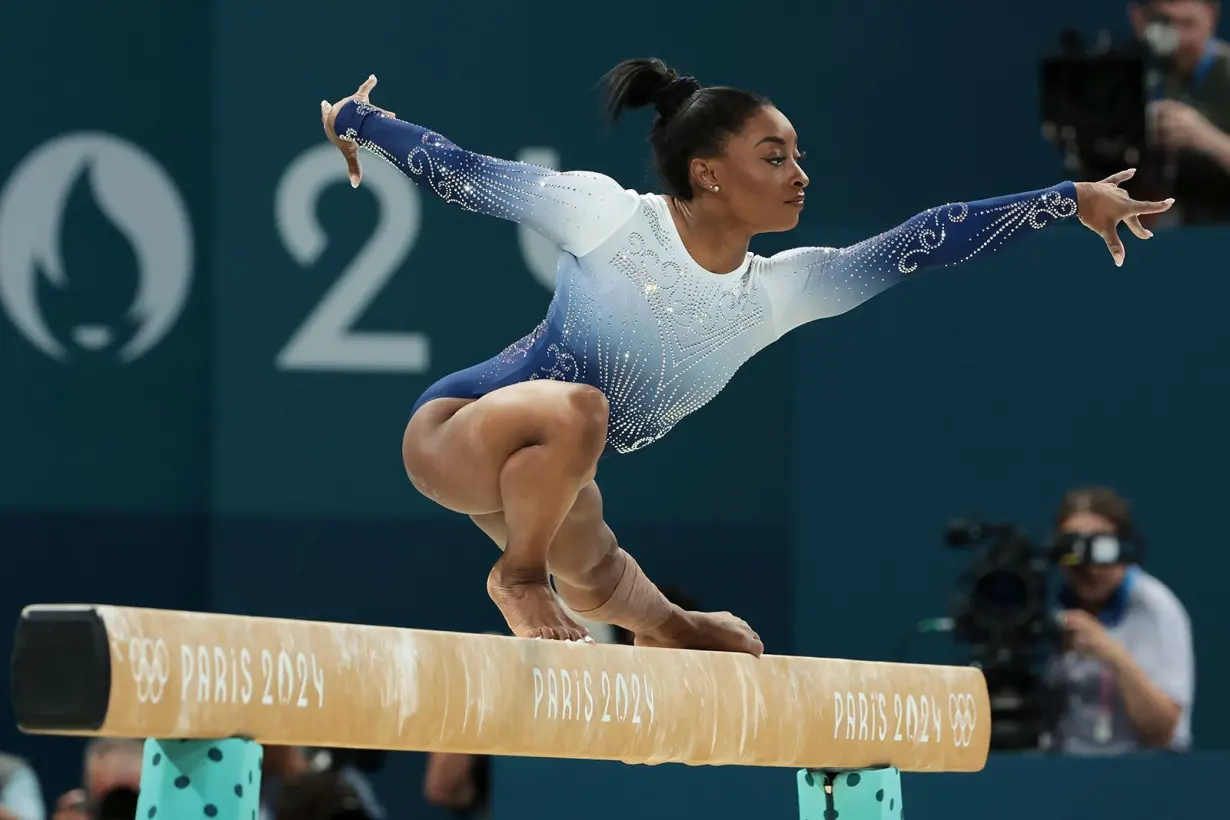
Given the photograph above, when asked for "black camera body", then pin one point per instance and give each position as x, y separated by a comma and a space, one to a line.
1094, 96
1004, 599
1004, 611
1002, 606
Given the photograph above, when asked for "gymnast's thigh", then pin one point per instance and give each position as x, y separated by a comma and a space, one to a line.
454, 449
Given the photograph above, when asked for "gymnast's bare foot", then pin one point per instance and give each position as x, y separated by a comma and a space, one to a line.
531, 608
717, 631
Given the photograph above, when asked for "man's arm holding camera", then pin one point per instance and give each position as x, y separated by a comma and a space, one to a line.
1153, 690
1181, 127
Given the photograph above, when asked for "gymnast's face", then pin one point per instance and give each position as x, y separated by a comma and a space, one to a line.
758, 175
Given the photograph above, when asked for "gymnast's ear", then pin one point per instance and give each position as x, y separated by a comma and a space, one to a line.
704, 174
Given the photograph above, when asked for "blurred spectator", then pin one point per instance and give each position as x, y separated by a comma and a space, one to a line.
1128, 674
461, 782
21, 797
1191, 123
279, 764
110, 782
319, 795
353, 766
1159, 102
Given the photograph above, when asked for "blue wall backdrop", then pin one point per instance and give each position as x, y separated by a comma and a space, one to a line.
209, 343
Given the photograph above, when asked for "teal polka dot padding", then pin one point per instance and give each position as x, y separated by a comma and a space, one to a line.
872, 794
189, 779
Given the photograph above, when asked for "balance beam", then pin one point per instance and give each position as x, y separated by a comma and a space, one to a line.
143, 673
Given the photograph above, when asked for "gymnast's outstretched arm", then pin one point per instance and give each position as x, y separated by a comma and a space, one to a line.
805, 284
577, 210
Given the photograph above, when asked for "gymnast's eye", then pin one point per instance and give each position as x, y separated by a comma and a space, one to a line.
777, 162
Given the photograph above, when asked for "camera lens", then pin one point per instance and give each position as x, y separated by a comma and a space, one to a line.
118, 804
1000, 595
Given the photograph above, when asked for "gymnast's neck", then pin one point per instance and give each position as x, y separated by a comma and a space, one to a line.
713, 237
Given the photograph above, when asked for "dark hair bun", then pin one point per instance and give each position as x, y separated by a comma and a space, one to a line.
693, 120
641, 82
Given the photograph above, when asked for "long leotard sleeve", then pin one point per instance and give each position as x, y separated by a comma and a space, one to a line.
805, 284
577, 210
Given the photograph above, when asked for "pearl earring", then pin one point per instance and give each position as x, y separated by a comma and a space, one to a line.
716, 189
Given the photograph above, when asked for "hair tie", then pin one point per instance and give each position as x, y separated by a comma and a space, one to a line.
675, 94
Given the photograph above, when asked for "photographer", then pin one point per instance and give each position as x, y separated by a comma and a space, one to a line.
110, 783
1191, 122
1127, 672
1159, 102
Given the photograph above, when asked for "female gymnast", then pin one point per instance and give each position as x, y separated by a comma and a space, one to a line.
657, 303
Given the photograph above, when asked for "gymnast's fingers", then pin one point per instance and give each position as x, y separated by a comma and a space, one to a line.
354, 171
365, 90
1152, 207
1141, 232
325, 110
1121, 177
1114, 245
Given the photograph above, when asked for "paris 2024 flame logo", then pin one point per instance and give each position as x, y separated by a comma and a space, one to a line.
138, 199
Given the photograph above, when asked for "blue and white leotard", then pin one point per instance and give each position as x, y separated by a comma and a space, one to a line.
633, 315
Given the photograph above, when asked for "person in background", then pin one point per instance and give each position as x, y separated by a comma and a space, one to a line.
322, 794
1191, 121
1128, 672
111, 779
279, 764
21, 796
353, 766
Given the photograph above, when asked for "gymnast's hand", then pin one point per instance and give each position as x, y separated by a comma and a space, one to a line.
1103, 205
328, 114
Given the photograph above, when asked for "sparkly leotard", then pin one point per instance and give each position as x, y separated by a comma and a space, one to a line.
633, 314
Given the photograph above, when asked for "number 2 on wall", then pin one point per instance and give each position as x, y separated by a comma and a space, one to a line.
327, 340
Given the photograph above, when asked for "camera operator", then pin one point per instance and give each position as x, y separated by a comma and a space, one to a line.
1127, 672
1160, 103
1192, 118
110, 783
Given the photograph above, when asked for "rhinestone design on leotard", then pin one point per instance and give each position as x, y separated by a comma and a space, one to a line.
560, 205
824, 282
633, 315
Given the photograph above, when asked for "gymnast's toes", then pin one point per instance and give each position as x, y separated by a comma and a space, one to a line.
556, 633
531, 609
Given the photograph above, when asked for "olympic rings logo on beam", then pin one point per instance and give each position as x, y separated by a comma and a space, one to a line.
962, 718
151, 668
